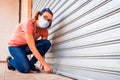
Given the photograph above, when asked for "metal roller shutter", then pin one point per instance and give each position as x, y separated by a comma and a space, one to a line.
85, 37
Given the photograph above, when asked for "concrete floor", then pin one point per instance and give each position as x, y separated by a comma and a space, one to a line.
6, 74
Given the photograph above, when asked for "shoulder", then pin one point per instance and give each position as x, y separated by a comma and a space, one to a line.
27, 21
27, 25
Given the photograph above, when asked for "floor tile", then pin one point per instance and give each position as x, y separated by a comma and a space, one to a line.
6, 74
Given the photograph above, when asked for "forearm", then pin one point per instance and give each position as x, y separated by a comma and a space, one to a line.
38, 56
31, 44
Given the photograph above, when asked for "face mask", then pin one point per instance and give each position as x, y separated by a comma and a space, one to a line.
43, 23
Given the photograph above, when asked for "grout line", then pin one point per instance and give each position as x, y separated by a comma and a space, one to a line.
3, 61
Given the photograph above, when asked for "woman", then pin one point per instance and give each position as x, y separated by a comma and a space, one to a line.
25, 41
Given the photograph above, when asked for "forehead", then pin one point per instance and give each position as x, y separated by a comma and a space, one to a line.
48, 15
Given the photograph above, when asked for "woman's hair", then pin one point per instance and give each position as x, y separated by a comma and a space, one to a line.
41, 12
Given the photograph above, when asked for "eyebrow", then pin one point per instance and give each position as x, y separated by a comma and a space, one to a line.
47, 17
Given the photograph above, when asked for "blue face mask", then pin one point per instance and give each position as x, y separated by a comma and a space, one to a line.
43, 23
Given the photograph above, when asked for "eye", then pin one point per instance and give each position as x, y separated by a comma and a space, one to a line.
45, 17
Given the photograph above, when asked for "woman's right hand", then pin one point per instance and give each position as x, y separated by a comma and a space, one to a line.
48, 69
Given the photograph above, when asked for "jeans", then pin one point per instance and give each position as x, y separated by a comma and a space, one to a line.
19, 53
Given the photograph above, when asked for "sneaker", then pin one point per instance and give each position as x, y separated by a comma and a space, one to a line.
10, 67
34, 68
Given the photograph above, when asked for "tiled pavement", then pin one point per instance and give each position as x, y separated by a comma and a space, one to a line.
6, 74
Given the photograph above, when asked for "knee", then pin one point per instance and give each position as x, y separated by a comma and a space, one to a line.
41, 43
47, 42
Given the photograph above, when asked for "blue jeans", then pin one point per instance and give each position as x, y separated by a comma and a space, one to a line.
19, 53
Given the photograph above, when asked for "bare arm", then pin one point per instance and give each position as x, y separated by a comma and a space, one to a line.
31, 44
41, 66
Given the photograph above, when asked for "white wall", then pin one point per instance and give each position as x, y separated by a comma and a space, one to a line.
9, 16
24, 9
85, 37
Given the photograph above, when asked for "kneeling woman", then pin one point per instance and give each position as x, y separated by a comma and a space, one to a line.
25, 41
